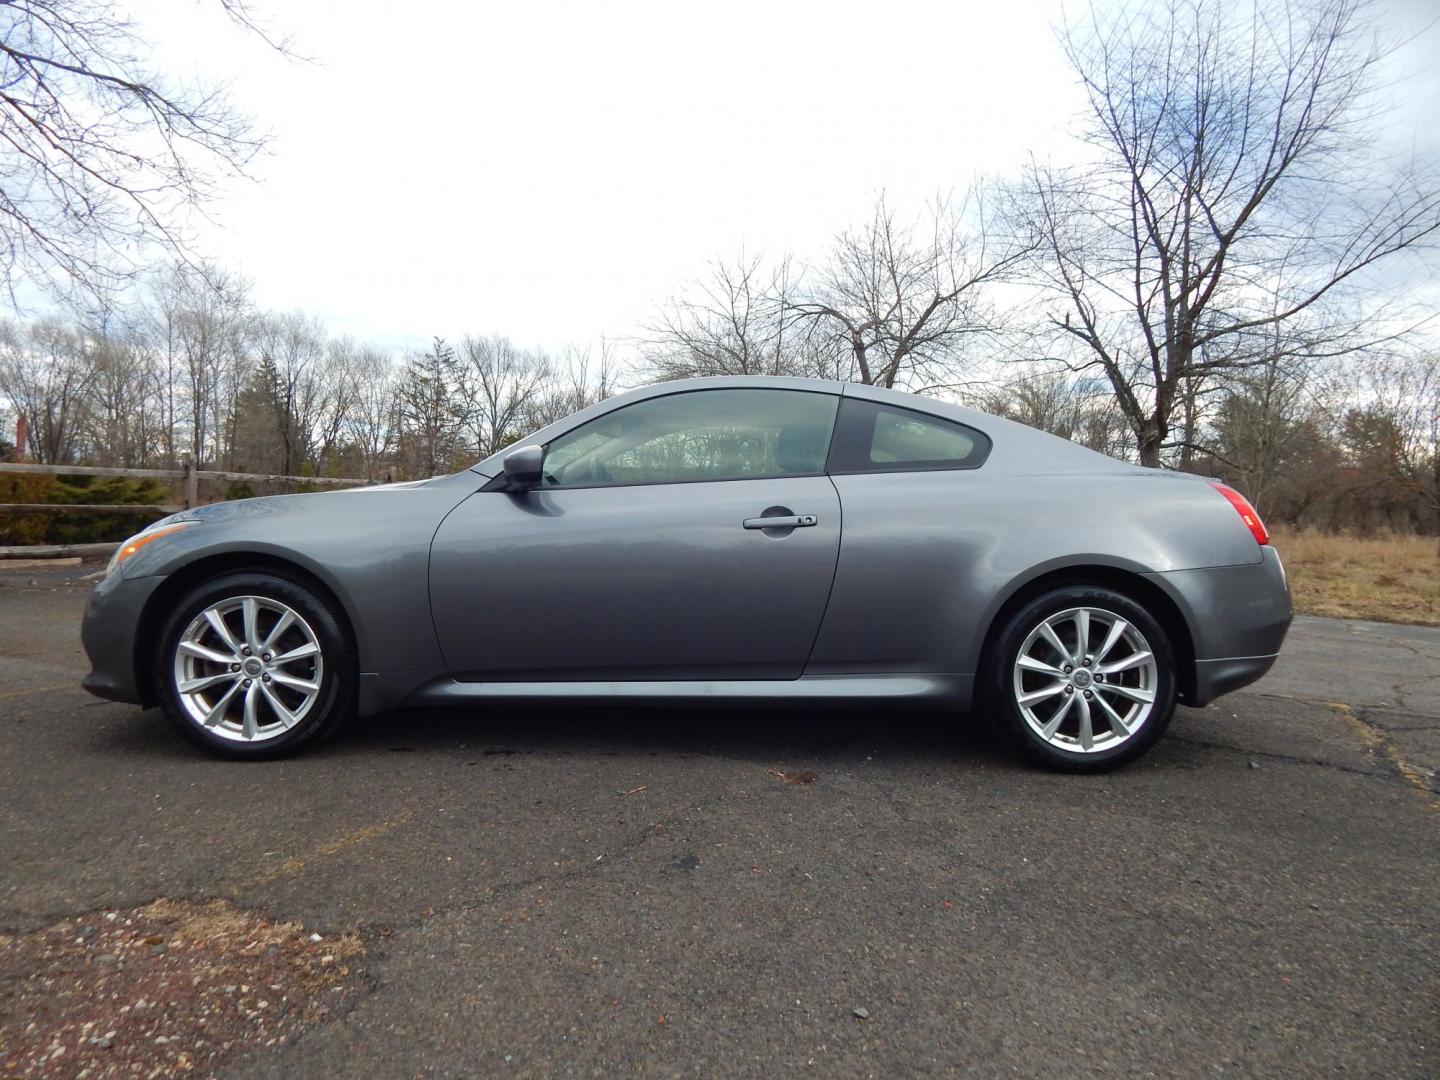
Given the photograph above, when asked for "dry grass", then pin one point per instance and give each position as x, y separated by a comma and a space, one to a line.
1386, 578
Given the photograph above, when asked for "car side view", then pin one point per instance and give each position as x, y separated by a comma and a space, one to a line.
731, 539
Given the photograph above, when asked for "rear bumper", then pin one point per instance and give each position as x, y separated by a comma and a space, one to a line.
1216, 677
1238, 617
109, 632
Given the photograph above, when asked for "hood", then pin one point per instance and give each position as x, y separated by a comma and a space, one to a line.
265, 505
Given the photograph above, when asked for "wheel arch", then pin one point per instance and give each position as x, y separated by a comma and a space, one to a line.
1132, 582
161, 602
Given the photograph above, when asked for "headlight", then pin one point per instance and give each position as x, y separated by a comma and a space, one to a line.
140, 539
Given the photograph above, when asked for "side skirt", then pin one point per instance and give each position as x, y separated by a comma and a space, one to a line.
946, 691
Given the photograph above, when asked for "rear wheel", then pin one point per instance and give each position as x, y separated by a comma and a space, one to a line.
256, 665
1083, 679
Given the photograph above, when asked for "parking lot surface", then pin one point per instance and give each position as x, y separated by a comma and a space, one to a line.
586, 892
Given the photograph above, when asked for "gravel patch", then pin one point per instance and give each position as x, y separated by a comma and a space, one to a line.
165, 989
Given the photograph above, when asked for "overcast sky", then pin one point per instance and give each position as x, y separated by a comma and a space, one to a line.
552, 170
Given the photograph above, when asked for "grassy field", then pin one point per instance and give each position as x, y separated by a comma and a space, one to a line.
1386, 578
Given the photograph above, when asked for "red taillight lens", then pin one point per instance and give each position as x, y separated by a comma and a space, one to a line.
1246, 511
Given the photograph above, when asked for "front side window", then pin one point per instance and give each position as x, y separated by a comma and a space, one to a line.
871, 437
695, 436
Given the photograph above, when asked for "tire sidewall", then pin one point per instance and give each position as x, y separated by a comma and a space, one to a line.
1012, 637
336, 682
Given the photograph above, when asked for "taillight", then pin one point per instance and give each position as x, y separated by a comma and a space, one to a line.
1246, 511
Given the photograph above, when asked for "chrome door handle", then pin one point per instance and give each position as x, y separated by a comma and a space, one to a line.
792, 521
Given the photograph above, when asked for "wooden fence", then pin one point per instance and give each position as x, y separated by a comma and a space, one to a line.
189, 476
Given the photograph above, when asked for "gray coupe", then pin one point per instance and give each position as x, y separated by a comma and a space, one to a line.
734, 540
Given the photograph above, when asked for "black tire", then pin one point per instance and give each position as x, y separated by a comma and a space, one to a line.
333, 703
1000, 695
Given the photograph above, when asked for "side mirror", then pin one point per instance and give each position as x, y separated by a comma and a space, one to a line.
524, 467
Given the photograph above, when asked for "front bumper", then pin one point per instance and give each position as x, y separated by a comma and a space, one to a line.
1238, 617
110, 633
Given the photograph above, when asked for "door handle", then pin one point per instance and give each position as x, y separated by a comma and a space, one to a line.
791, 521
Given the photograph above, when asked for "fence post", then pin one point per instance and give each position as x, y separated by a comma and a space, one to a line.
192, 484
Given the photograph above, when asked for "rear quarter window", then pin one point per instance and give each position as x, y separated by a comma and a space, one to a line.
871, 437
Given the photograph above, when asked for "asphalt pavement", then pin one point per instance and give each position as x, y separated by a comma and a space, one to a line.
691, 892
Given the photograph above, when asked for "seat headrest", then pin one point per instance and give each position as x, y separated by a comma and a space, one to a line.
801, 449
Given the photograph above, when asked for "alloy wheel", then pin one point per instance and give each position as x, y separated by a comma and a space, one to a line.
1085, 680
248, 668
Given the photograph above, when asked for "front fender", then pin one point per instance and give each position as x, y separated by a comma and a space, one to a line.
369, 547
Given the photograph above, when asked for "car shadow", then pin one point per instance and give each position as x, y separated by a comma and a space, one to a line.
706, 730
749, 733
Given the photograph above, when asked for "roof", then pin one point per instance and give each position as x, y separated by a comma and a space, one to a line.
1016, 447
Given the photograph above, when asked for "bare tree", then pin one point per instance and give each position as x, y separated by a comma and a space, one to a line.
203, 319
733, 321
1273, 435
331, 408
1076, 408
100, 157
900, 302
576, 383
119, 422
372, 419
156, 332
497, 383
45, 371
1406, 390
1234, 189
298, 346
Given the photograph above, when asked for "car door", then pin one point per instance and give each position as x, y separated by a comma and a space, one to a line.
645, 554
917, 529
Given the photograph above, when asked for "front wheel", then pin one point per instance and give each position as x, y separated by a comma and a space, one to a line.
255, 665
1083, 679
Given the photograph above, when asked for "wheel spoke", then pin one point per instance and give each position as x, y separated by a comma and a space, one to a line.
285, 715
194, 648
281, 625
1087, 732
1134, 660
1134, 693
1053, 724
1029, 663
252, 700
297, 653
1117, 631
250, 607
1117, 722
217, 711
217, 623
1048, 633
1082, 635
204, 682
297, 684
1026, 700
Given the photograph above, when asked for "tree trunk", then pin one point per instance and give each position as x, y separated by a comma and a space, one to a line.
857, 345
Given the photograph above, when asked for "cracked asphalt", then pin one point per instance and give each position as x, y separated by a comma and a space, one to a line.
672, 892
